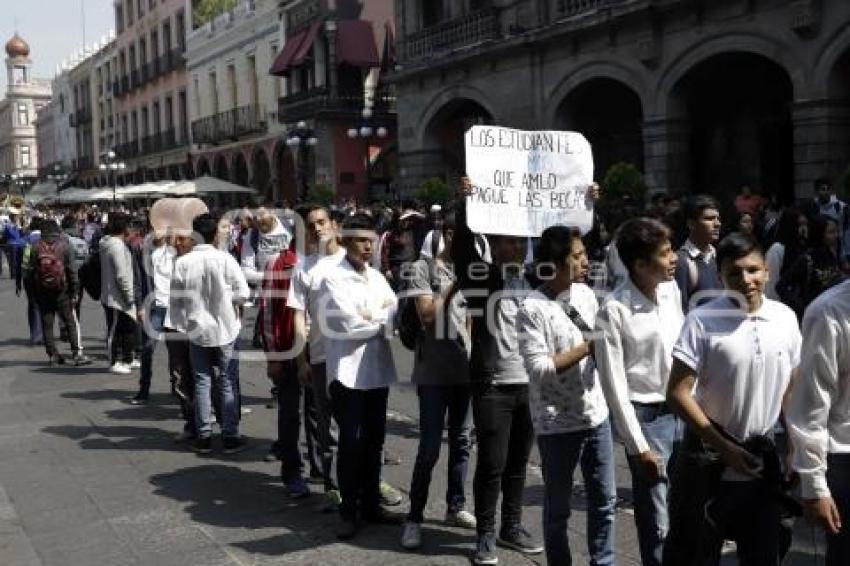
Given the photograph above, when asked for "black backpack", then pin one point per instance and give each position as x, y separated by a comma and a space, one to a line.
90, 275
409, 325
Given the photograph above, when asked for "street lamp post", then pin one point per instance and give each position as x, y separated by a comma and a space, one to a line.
366, 132
112, 164
301, 138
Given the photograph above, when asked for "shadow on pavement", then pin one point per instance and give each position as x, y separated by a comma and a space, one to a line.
230, 497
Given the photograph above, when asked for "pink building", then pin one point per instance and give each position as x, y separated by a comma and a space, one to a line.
150, 84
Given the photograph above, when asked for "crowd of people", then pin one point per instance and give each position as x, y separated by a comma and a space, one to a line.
719, 357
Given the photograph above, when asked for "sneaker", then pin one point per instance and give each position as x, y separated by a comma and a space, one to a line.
381, 516
245, 410
463, 519
485, 550
135, 364
270, 457
519, 539
203, 445
119, 368
138, 399
411, 536
234, 445
390, 496
334, 498
80, 360
297, 489
346, 529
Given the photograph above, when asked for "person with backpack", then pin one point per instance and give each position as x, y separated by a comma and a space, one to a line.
696, 268
79, 255
117, 296
55, 283
441, 375
23, 281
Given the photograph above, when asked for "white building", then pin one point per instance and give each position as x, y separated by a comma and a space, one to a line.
25, 96
233, 99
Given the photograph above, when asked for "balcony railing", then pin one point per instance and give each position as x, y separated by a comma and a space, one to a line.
116, 88
229, 125
128, 150
317, 101
134, 79
125, 84
576, 7
452, 35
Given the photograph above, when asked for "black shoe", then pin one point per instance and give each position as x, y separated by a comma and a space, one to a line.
485, 550
346, 529
270, 457
232, 445
56, 360
203, 445
80, 360
519, 539
381, 516
139, 399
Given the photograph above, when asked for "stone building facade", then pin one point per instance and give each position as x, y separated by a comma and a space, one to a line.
25, 96
701, 95
233, 99
149, 86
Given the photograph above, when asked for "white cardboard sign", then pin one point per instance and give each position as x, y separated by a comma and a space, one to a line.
524, 181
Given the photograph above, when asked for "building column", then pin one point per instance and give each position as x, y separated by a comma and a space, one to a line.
821, 143
333, 79
666, 154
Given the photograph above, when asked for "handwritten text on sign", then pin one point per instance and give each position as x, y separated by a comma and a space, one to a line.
525, 182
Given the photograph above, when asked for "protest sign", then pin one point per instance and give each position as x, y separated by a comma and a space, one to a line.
523, 182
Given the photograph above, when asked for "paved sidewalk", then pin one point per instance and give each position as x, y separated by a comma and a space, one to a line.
87, 479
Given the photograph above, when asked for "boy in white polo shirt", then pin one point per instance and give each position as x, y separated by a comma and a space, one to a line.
819, 420
732, 367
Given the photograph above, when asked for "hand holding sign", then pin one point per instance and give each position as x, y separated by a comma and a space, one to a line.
523, 182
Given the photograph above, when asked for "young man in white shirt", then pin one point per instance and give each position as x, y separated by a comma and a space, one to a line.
818, 419
567, 405
324, 257
637, 327
732, 367
207, 286
355, 315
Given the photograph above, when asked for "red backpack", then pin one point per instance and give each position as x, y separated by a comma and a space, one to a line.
50, 267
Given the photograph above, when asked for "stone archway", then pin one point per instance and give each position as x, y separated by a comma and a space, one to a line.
221, 170
736, 112
240, 173
444, 152
262, 174
284, 168
610, 115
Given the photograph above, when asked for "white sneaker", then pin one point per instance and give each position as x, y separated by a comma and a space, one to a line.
119, 368
135, 364
411, 537
463, 519
246, 410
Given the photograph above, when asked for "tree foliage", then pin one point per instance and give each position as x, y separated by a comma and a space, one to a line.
206, 10
433, 191
623, 182
321, 194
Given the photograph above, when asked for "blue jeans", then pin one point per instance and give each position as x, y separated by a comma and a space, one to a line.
434, 402
205, 361
593, 449
663, 432
150, 336
838, 480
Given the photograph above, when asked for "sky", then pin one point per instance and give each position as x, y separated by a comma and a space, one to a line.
53, 29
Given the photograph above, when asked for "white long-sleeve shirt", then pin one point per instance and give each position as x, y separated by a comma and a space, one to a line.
634, 353
206, 285
818, 415
571, 399
357, 348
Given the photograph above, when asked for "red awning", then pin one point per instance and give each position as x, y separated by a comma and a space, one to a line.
355, 44
295, 50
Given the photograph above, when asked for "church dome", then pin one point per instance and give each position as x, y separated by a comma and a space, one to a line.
17, 47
